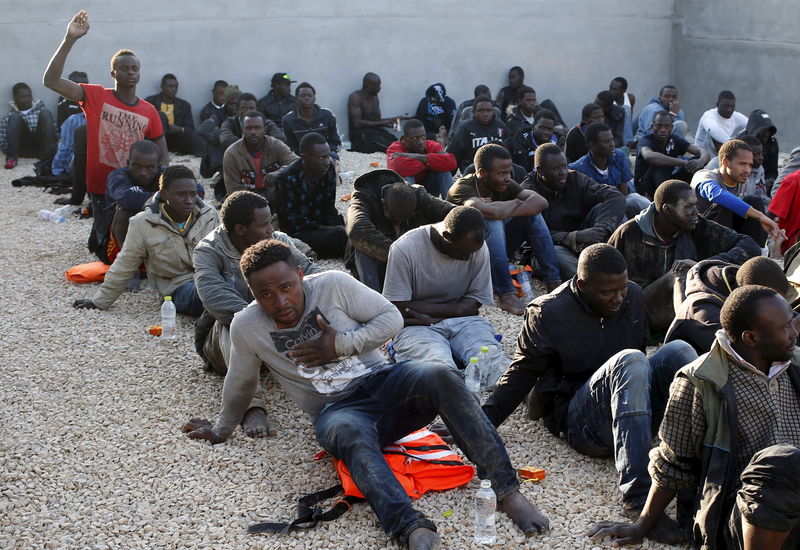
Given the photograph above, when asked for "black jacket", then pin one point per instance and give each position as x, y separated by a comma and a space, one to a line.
522, 147
561, 344
758, 121
323, 123
648, 258
436, 109
369, 230
275, 109
569, 208
471, 135
697, 320
212, 111
615, 119
182, 110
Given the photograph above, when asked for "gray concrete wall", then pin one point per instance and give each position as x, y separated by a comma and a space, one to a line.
751, 48
569, 52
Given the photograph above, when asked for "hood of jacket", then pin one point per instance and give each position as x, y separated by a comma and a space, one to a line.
436, 93
36, 105
685, 247
153, 209
711, 277
759, 121
373, 182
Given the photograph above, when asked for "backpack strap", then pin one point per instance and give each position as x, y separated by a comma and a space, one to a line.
309, 513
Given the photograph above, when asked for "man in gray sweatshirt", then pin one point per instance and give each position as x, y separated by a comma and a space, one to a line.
320, 336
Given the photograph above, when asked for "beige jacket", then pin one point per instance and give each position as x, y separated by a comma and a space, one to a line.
166, 253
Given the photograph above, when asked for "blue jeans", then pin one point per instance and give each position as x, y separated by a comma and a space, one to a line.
437, 183
390, 405
507, 235
186, 299
371, 272
616, 412
447, 342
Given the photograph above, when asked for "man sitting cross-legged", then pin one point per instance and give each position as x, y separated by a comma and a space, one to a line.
730, 435
668, 238
320, 337
438, 277
163, 236
420, 160
580, 360
512, 217
246, 220
384, 207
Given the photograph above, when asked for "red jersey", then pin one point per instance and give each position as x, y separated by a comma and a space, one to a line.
438, 161
111, 128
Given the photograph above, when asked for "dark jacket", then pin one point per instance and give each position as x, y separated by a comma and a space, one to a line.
182, 110
522, 147
516, 121
697, 321
231, 131
123, 192
367, 227
303, 209
323, 122
561, 344
758, 121
212, 111
471, 135
436, 109
615, 119
576, 145
275, 109
569, 208
648, 258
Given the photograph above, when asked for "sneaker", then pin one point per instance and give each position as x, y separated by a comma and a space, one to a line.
10, 163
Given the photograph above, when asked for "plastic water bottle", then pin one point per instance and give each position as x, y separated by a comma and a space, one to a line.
524, 280
65, 211
50, 216
485, 363
169, 329
347, 176
472, 376
485, 509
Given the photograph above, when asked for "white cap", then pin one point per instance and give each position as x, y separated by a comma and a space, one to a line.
486, 484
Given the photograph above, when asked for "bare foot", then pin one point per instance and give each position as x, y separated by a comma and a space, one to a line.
256, 423
423, 538
523, 513
510, 303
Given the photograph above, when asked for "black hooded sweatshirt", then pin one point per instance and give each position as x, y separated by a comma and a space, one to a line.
759, 120
436, 109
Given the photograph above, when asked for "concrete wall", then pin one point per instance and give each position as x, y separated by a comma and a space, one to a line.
751, 48
569, 52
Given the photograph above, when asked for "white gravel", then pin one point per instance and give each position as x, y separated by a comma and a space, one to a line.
91, 452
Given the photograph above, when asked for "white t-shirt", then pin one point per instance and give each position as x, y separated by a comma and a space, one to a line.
712, 126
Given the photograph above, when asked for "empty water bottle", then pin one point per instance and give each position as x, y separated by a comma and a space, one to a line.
472, 376
50, 216
169, 328
524, 280
65, 211
347, 176
485, 509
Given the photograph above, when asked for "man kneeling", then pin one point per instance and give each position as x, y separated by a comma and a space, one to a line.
320, 336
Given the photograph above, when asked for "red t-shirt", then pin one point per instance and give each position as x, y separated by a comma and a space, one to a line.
111, 128
438, 161
786, 205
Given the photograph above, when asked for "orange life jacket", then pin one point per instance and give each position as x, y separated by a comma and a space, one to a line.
421, 462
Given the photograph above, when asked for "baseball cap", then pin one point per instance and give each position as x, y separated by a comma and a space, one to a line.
277, 78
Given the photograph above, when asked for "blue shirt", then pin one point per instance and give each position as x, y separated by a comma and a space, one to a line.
66, 145
646, 117
618, 169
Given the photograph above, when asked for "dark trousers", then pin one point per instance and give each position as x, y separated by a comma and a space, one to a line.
390, 405
371, 272
327, 242
370, 140
21, 141
745, 226
79, 167
186, 142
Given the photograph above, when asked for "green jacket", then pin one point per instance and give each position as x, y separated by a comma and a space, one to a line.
166, 253
718, 476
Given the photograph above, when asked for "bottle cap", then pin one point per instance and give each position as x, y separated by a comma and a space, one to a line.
167, 298
485, 349
473, 359
486, 484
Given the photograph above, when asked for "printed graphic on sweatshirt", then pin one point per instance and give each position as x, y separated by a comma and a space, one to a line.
483, 140
119, 129
326, 379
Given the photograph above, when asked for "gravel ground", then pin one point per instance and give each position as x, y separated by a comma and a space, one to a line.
91, 452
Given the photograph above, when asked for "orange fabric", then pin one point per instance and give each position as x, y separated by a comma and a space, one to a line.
417, 476
94, 272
